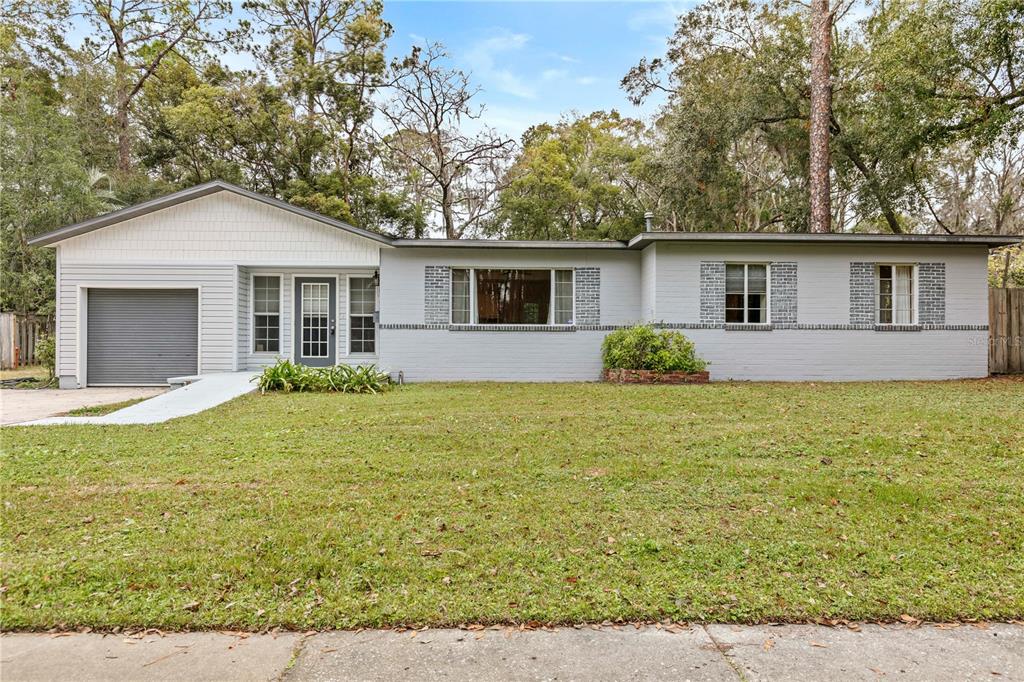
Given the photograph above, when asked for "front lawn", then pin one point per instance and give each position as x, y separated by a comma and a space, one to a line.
449, 504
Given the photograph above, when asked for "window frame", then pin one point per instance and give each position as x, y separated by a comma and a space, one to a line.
914, 298
474, 317
348, 317
746, 284
252, 314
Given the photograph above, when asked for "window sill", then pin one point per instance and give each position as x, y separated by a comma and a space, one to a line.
511, 328
898, 328
746, 327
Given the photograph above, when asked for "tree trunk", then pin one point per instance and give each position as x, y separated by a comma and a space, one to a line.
447, 213
821, 107
124, 138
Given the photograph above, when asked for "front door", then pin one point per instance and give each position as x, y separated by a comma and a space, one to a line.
314, 320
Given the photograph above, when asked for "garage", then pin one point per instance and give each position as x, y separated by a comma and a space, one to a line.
138, 337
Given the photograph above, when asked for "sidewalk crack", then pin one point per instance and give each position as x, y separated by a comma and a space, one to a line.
725, 655
297, 650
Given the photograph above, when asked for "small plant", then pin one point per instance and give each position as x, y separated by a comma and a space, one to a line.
288, 376
46, 353
641, 347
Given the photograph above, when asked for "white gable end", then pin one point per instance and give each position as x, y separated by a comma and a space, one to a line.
222, 228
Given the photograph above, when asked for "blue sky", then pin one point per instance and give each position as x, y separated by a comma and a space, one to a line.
538, 60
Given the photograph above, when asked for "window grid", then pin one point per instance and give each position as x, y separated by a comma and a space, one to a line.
315, 319
465, 301
362, 335
746, 293
894, 299
266, 291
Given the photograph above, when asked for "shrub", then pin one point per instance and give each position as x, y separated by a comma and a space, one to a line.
641, 347
288, 376
46, 353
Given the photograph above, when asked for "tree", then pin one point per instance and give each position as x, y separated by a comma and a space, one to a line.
737, 74
136, 36
428, 108
43, 178
582, 178
821, 116
328, 57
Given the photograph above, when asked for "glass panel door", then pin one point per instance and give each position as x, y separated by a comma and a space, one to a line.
315, 319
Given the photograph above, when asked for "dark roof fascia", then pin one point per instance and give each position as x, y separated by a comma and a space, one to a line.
644, 239
189, 194
504, 244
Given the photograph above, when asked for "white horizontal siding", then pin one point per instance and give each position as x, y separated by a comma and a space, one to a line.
222, 228
216, 300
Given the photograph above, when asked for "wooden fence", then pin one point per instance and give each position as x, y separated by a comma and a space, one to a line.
1006, 331
18, 336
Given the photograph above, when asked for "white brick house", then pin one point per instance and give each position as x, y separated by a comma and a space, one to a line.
217, 278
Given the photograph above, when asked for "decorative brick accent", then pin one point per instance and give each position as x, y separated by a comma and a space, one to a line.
931, 289
646, 376
437, 294
783, 278
588, 296
862, 293
712, 292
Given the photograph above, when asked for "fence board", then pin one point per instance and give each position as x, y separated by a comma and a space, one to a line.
1006, 331
18, 337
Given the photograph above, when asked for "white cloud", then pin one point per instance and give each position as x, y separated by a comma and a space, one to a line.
554, 74
587, 80
482, 58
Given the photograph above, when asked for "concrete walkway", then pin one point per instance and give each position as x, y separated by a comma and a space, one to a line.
209, 391
27, 404
713, 652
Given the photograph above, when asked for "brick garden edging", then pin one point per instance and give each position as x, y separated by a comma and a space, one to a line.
646, 376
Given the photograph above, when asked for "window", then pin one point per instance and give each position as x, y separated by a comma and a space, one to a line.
895, 291
492, 296
362, 302
266, 314
746, 293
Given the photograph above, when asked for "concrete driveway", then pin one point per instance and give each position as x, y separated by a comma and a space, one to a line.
21, 405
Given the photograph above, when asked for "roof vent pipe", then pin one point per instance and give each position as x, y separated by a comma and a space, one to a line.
648, 221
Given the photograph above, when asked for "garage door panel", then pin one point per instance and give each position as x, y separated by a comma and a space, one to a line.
141, 336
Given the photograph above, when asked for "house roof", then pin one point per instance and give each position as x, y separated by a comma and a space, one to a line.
189, 194
644, 239
640, 241
509, 244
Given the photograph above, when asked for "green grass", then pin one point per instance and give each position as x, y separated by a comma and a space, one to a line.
449, 504
97, 410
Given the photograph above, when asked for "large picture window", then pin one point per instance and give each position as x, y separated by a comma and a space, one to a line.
746, 293
504, 296
266, 314
895, 287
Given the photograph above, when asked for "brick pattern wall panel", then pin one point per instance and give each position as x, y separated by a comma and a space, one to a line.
437, 289
712, 292
862, 293
931, 289
588, 295
783, 303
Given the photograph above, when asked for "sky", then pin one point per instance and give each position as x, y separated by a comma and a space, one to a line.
536, 61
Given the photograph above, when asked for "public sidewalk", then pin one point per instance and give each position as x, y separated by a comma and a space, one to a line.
713, 652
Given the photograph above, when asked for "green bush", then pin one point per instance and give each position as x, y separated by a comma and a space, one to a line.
46, 352
641, 347
288, 376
